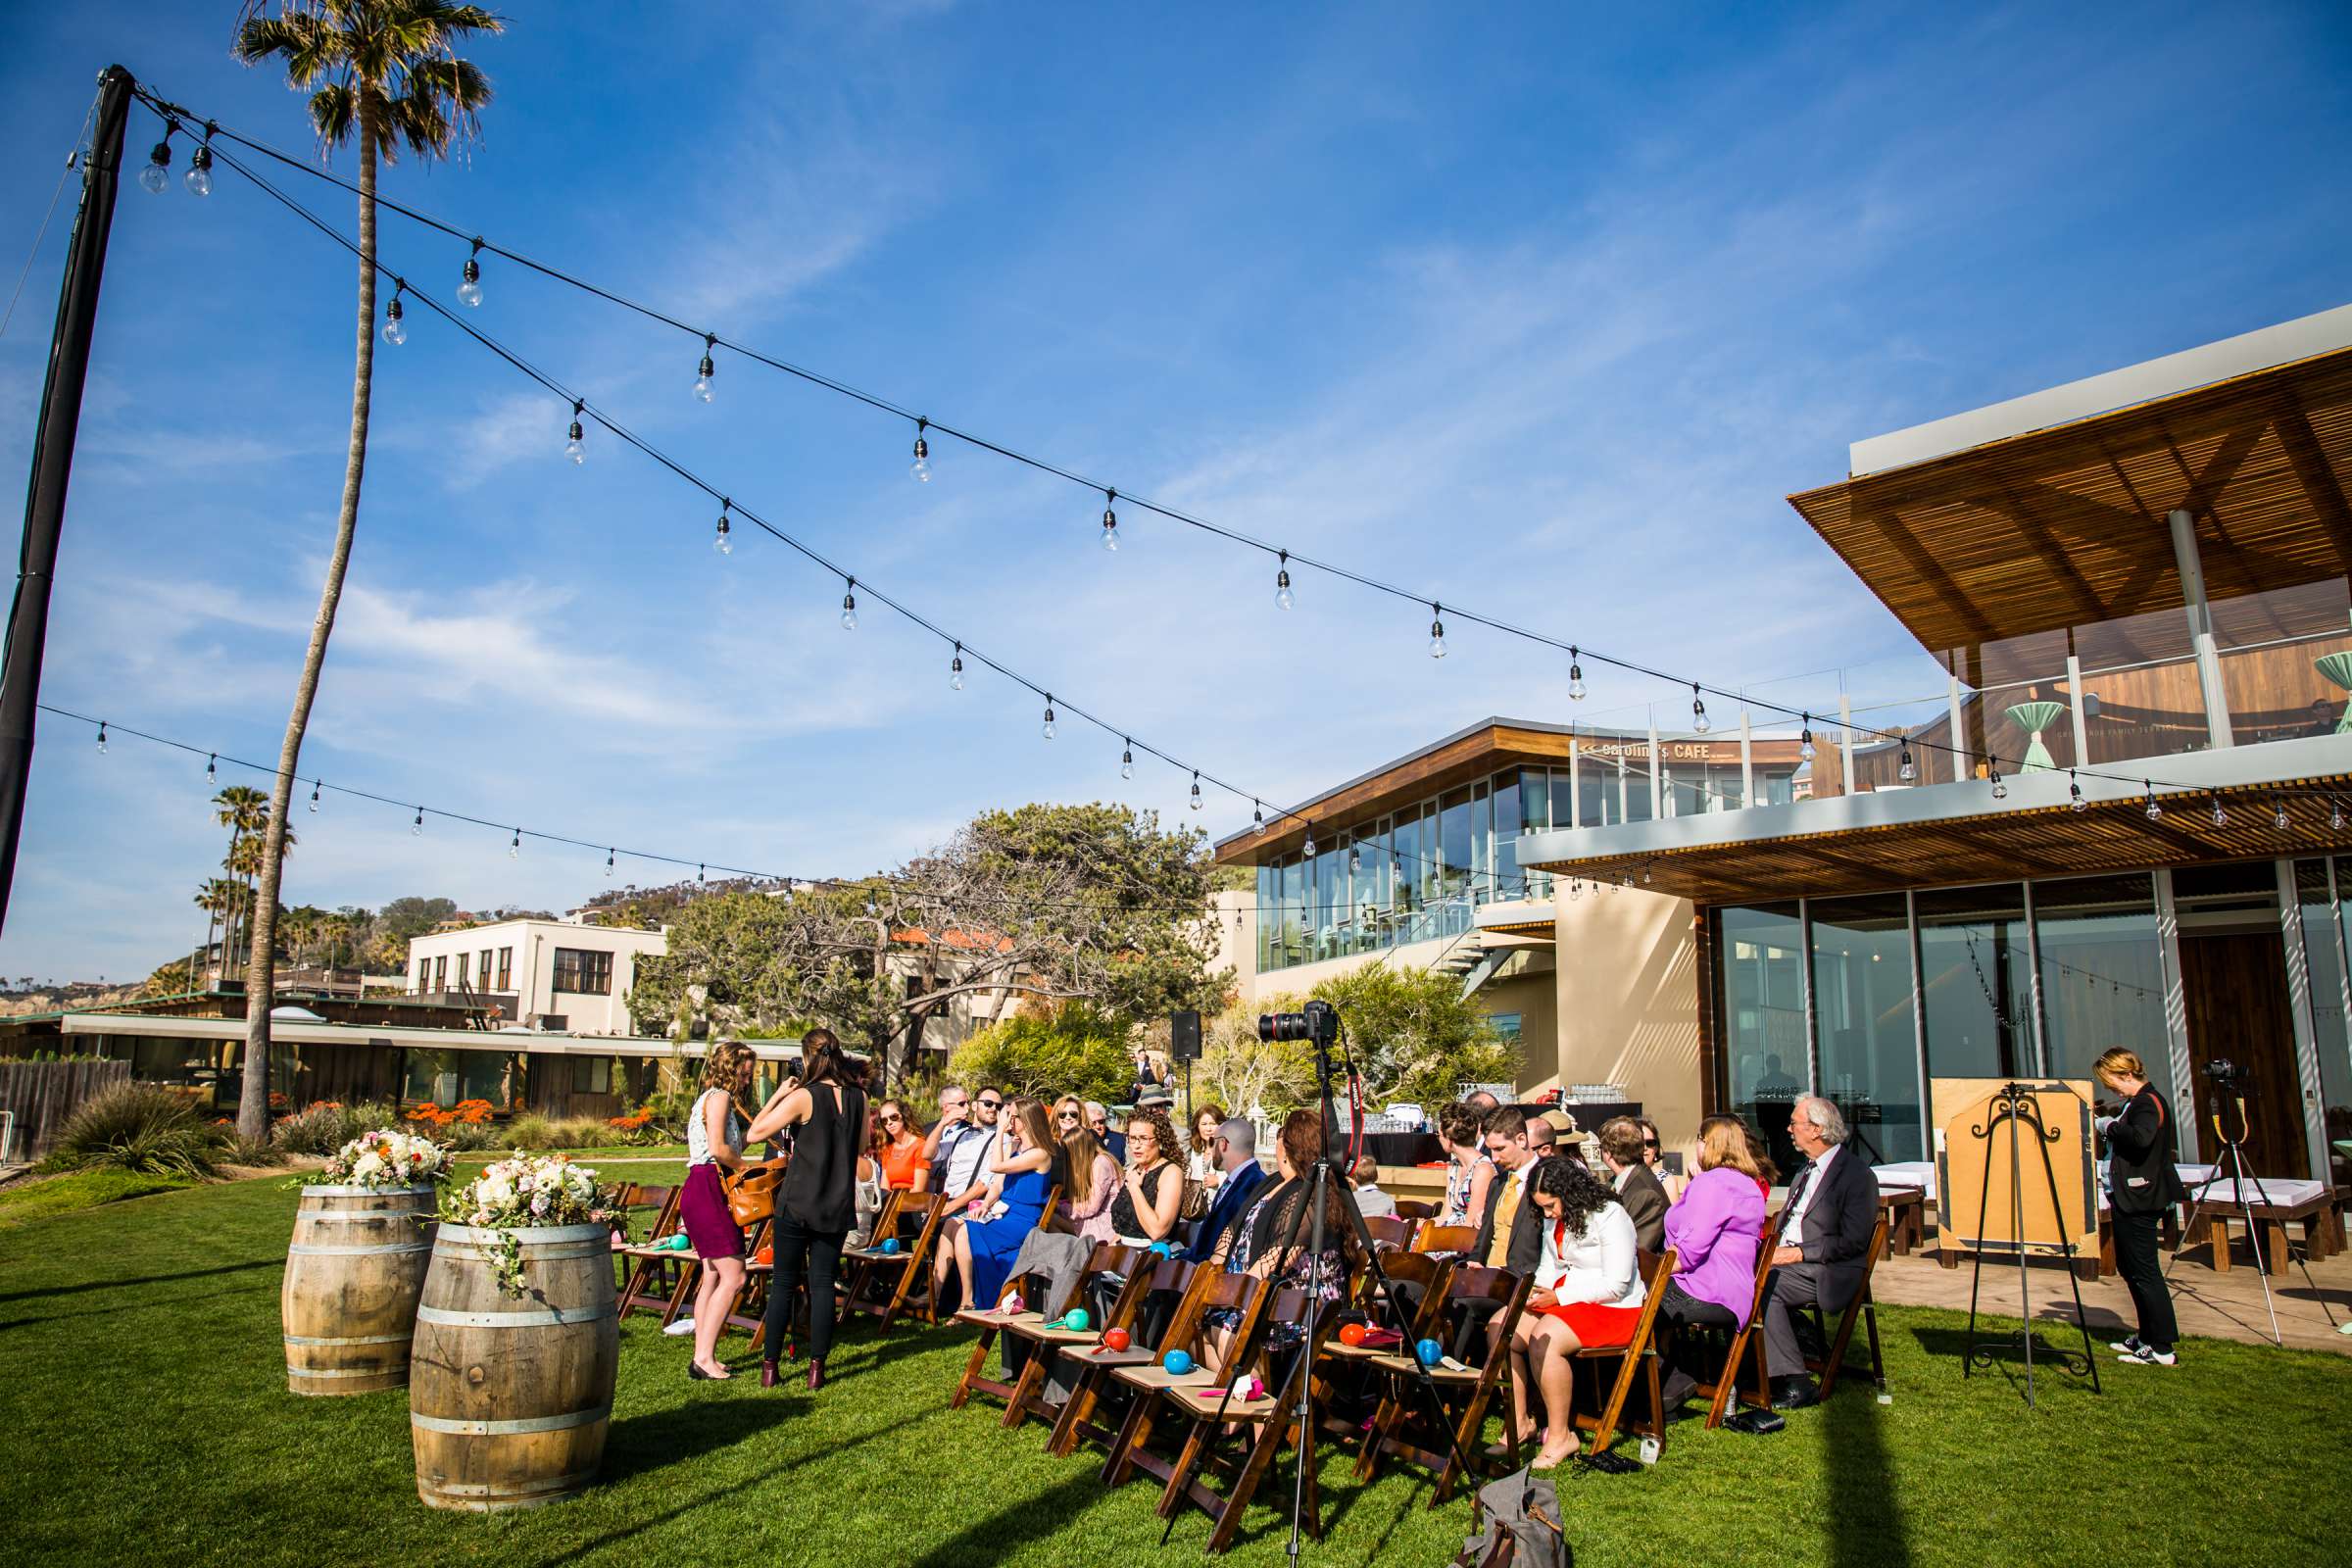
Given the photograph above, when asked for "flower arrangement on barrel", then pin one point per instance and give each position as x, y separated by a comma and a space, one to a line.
530, 1191
388, 1159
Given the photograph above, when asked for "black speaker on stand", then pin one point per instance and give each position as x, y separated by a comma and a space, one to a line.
1184, 1045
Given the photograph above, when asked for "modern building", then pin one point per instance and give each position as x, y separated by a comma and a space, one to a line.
2105, 804
560, 975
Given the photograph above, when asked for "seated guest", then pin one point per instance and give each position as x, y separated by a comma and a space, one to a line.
1273, 1240
1654, 1155
1517, 1243
1714, 1228
1236, 1150
1832, 1207
867, 1198
1200, 1161
1370, 1200
1094, 1181
1483, 1105
904, 1165
1542, 1136
1759, 1155
1469, 1173
1588, 1293
1151, 1185
985, 1248
1098, 1120
1637, 1187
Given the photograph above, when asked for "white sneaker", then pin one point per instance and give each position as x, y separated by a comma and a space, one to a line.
2129, 1345
2147, 1356
684, 1325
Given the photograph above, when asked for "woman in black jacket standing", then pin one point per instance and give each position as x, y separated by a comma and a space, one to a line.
2141, 1184
816, 1202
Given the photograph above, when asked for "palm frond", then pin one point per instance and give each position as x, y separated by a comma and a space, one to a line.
335, 112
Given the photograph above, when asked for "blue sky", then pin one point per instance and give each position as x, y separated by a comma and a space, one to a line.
1544, 312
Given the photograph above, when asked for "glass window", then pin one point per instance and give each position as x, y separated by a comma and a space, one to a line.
592, 1075
1636, 784
464, 959
1482, 844
484, 970
446, 1077
1863, 1023
506, 968
2103, 973
1453, 844
1508, 883
424, 971
441, 972
1760, 960
1270, 894
2322, 912
583, 971
1404, 863
1974, 981
1598, 795
1685, 787
1507, 1024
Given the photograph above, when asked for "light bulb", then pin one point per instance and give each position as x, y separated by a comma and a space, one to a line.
1699, 711
2336, 817
2221, 818
572, 447
1355, 862
2154, 810
158, 173
417, 828
1436, 633
921, 466
1903, 769
199, 177
704, 371
514, 847
1576, 677
2278, 815
1110, 522
848, 607
1195, 792
1283, 598
102, 738
2000, 791
1257, 820
314, 788
2074, 793
608, 865
1308, 848
956, 671
1126, 760
724, 543
1804, 741
394, 333
1048, 718
469, 290
211, 769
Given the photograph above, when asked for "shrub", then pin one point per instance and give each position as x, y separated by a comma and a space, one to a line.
327, 1125
137, 1127
1071, 1049
252, 1152
1416, 1034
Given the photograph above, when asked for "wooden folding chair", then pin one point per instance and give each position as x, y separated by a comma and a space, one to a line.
990, 1323
1414, 1210
1861, 1306
1400, 1425
1637, 1357
1423, 1316
1154, 1275
1213, 1290
914, 1218
1272, 1424
1387, 1231
1025, 1398
1745, 1352
1459, 1239
653, 1270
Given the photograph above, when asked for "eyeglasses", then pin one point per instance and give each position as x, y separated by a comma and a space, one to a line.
890, 1116
1649, 1143
1066, 1115
990, 1104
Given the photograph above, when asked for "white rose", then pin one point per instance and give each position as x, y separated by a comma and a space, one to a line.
368, 1166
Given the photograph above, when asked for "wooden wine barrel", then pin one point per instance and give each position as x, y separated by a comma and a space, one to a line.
509, 1397
354, 1271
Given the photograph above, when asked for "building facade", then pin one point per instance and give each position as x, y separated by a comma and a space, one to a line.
560, 975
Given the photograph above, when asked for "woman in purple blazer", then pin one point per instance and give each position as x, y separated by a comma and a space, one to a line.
1715, 1230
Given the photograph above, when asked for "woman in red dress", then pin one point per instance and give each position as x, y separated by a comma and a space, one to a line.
1588, 1293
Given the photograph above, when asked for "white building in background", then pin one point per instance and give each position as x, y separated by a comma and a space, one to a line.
546, 974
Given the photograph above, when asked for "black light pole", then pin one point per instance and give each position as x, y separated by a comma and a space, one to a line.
53, 462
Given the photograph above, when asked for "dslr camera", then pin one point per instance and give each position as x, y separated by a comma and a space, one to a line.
2226, 1077
1318, 1023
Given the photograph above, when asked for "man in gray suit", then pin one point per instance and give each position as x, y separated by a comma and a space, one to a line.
1637, 1186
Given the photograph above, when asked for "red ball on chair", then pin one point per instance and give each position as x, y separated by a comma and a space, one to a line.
1115, 1339
1352, 1334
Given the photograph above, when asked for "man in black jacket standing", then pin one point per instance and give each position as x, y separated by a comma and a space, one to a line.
1832, 1207
2141, 1184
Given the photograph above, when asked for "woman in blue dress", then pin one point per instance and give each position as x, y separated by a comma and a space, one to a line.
985, 1248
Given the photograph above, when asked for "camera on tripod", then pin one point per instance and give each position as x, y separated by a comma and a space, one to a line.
2226, 1077
1318, 1023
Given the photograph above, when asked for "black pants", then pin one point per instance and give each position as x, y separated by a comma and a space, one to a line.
817, 1255
1686, 1354
2136, 1259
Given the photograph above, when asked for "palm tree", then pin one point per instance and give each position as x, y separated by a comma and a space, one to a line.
379, 72
242, 809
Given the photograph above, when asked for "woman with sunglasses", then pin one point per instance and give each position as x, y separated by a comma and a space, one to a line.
985, 1248
1654, 1155
901, 1150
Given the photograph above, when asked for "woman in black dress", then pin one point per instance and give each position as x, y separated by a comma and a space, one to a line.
817, 1201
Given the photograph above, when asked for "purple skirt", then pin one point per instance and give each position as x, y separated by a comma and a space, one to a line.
710, 1224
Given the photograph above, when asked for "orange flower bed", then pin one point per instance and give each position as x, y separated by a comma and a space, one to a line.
633, 1121
471, 1112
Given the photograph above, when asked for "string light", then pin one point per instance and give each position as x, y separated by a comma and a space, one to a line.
700, 874
2279, 813
1049, 715
1699, 711
199, 178
1437, 631
212, 770
1196, 789
395, 333
574, 445
1804, 741
1308, 848
1257, 818
1356, 860
515, 846
2221, 818
724, 543
315, 787
2154, 810
608, 865
2335, 814
469, 288
158, 173
921, 466
1575, 675
1110, 522
417, 828
1283, 598
849, 607
956, 671
2074, 793
1904, 769
2000, 791
1126, 757
706, 370
102, 737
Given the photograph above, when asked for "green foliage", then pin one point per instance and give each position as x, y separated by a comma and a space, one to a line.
1071, 1049
1416, 1035
1244, 1073
137, 1127
323, 1128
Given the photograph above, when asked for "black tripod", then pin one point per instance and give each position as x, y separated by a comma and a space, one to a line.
1321, 1026
2017, 1106
2233, 1161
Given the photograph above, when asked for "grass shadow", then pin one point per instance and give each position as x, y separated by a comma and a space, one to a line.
993, 1538
1863, 1502
683, 1432
145, 1279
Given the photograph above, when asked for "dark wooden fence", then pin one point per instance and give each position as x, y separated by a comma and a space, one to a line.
43, 1094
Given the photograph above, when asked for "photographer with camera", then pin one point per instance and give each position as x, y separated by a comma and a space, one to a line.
2141, 1184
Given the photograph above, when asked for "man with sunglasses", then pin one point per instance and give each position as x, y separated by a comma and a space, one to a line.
956, 1146
1098, 1118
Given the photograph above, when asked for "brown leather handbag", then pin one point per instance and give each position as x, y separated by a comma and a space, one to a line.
752, 1191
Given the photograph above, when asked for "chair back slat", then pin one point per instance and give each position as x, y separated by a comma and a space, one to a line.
1390, 1231
1446, 1238
1412, 1208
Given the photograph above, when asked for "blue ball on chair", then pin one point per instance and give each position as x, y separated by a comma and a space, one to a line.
1177, 1362
1430, 1352
890, 1244
1076, 1320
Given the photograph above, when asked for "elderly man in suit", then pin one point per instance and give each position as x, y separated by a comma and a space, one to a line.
1637, 1186
1825, 1236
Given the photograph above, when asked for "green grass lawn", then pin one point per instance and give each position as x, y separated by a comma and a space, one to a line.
147, 1420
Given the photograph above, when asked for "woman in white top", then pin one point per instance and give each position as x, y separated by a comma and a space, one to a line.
714, 1145
1201, 1155
1588, 1293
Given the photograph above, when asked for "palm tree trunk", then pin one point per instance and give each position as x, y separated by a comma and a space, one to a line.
261, 980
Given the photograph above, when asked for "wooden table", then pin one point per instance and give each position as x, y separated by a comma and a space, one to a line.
1906, 1218
2320, 1215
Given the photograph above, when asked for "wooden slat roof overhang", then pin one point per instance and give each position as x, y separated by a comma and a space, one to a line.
2065, 527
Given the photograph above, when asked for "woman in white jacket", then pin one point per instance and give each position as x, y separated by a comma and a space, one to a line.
1588, 1293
